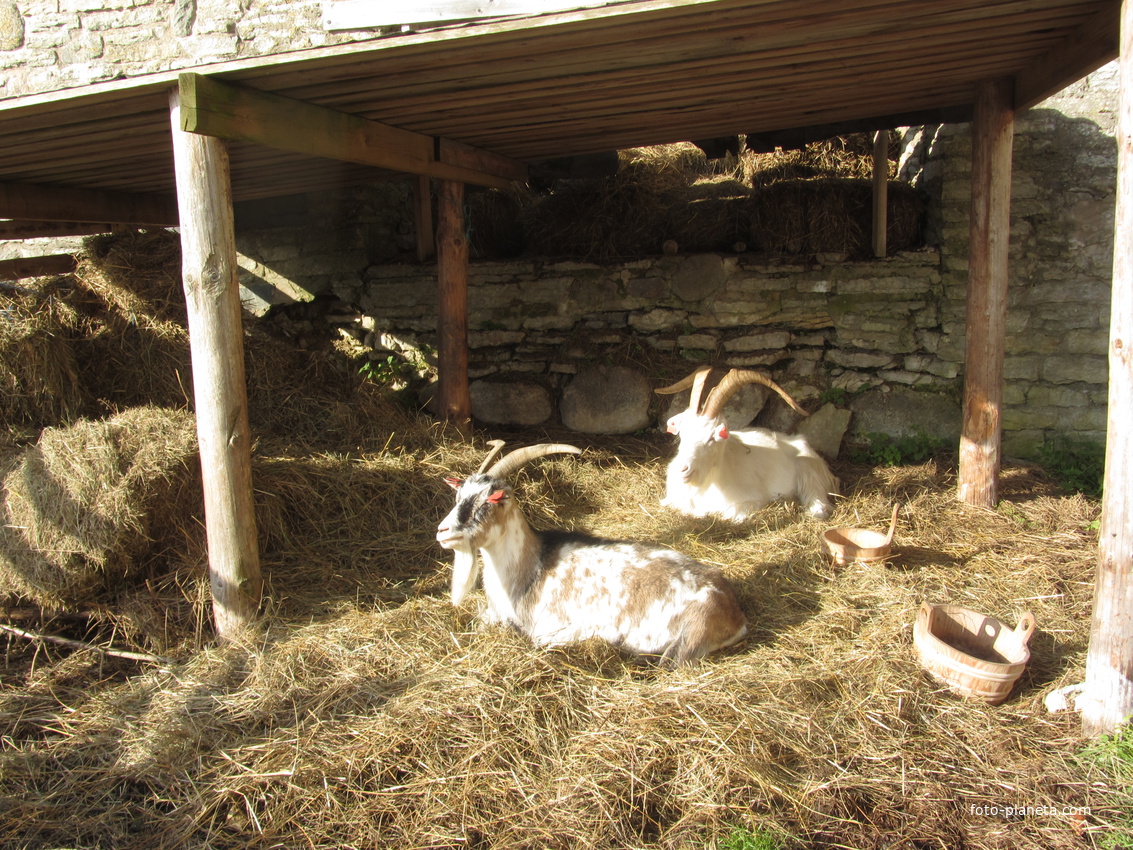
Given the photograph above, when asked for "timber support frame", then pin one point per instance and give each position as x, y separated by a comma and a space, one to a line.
985, 344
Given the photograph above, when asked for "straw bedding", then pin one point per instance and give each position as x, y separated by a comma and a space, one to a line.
367, 712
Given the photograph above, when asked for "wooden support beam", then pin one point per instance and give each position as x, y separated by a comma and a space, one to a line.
212, 298
39, 202
21, 229
1107, 698
455, 404
213, 108
423, 218
25, 267
880, 192
980, 433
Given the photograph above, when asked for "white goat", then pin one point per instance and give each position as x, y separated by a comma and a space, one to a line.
563, 586
735, 473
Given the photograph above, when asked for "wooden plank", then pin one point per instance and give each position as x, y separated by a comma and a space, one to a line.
460, 155
1107, 698
454, 402
225, 111
25, 267
880, 192
212, 299
19, 229
369, 14
986, 329
1091, 46
57, 203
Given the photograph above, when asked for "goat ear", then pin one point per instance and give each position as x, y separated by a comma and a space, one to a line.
454, 483
722, 432
497, 497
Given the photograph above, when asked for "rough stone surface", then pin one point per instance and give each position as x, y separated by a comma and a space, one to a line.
698, 277
825, 428
903, 412
606, 400
510, 403
11, 27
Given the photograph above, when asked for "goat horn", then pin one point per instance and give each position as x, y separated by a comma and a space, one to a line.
695, 380
497, 446
512, 462
732, 382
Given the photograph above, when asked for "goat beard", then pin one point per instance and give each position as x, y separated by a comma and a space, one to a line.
465, 571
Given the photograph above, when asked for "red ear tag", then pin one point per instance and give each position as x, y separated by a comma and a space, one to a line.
722, 433
672, 429
497, 497
453, 482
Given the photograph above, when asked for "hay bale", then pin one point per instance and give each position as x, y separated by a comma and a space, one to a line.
39, 379
832, 215
80, 504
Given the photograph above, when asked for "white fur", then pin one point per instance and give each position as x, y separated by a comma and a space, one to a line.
560, 588
733, 474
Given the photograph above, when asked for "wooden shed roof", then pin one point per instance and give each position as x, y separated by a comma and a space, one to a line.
598, 79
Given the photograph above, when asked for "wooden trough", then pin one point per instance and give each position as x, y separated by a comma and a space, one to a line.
975, 655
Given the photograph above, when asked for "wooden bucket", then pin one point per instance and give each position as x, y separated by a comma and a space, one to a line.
848, 544
973, 654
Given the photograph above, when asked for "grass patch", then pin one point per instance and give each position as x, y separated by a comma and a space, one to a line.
1075, 463
884, 450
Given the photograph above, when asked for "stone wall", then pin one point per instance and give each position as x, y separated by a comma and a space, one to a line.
47, 45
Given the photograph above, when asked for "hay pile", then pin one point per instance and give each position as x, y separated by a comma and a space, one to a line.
39, 379
815, 200
85, 501
360, 719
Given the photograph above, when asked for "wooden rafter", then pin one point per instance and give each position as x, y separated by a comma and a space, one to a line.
213, 108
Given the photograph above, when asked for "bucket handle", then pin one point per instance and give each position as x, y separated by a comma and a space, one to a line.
929, 612
892, 524
1026, 627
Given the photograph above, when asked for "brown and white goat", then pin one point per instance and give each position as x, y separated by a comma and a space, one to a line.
733, 474
564, 586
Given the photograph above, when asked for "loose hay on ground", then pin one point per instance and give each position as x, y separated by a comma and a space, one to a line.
395, 723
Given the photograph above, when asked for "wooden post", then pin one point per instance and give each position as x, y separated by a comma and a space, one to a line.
1107, 698
980, 434
423, 218
212, 296
455, 405
880, 192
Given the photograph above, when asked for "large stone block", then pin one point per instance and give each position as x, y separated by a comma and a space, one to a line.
11, 27
510, 402
606, 400
698, 276
904, 412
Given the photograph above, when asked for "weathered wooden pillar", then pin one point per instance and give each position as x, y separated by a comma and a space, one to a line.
880, 193
1107, 698
980, 434
455, 404
212, 296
